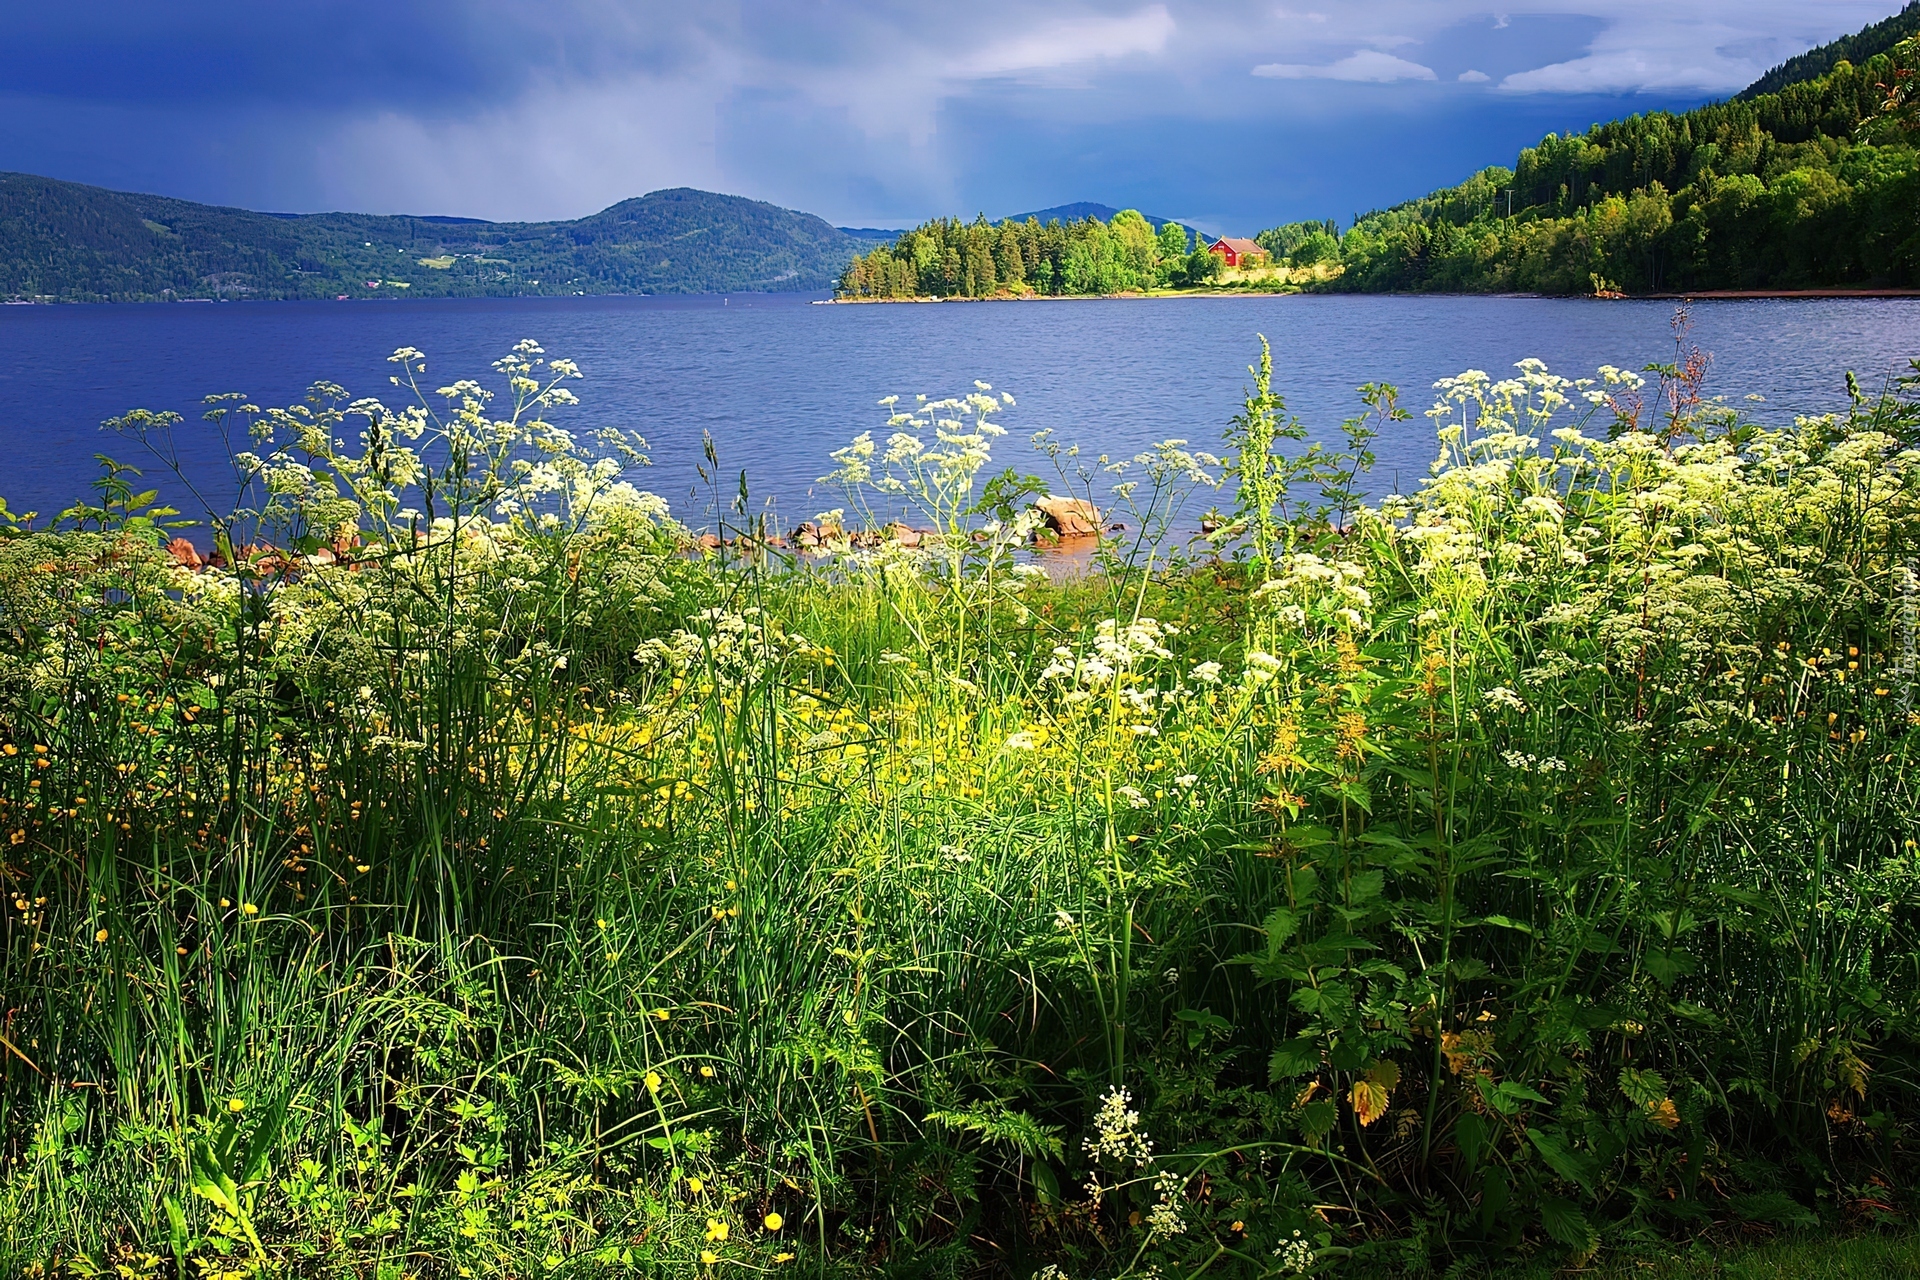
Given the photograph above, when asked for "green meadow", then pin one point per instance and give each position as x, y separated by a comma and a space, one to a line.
469, 874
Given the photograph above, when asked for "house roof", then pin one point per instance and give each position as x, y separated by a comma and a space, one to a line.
1238, 245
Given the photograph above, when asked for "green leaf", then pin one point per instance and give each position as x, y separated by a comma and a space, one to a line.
1317, 1119
1507, 1096
1471, 1137
178, 1237
995, 1122
1774, 1206
1643, 1088
1561, 1158
1565, 1223
266, 1133
1292, 1059
1665, 966
1357, 794
1202, 1024
211, 1182
1280, 925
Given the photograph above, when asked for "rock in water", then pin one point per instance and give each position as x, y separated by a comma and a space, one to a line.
1069, 517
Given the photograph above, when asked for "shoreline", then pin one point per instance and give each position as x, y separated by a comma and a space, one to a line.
1710, 294
1698, 295
1130, 294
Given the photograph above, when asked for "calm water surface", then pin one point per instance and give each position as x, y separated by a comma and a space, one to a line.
779, 382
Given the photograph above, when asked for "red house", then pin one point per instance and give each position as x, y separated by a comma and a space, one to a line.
1237, 253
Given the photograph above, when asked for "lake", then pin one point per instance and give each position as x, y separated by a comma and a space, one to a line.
780, 382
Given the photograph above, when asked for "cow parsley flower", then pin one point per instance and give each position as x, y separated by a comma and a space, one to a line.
1116, 1131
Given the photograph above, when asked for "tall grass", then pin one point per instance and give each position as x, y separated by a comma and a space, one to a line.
468, 879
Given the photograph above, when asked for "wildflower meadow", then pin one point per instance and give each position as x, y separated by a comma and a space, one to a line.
466, 871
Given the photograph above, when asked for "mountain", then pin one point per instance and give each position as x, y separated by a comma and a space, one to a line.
1860, 46
1805, 188
62, 241
1081, 210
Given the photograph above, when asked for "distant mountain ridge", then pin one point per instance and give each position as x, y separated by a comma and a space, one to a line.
1081, 210
64, 241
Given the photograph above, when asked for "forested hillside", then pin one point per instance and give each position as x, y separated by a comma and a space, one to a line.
61, 241
1812, 186
1858, 47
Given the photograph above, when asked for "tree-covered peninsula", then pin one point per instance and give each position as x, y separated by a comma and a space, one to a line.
949, 258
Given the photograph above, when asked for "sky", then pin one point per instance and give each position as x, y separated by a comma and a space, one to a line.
1230, 116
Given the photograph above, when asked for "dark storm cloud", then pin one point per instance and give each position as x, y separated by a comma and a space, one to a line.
1235, 114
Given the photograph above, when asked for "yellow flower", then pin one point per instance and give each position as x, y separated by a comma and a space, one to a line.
249, 910
696, 1186
236, 1105
101, 936
775, 1222
225, 903
653, 1082
601, 923
706, 1073
716, 1229
731, 886
783, 1257
709, 1257
661, 1014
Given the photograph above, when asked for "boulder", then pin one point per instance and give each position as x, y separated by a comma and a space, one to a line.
1069, 517
185, 554
810, 534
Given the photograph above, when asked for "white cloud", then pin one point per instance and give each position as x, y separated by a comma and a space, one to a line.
1065, 43
1474, 77
1368, 66
1653, 46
